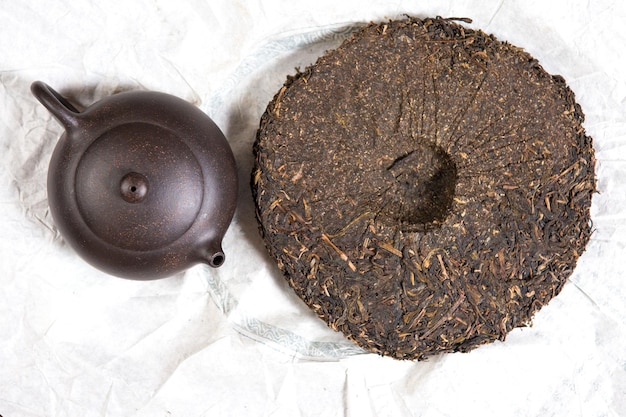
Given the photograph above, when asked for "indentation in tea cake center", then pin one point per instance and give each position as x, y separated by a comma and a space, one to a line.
422, 190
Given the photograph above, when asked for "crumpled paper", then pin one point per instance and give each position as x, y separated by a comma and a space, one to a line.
236, 340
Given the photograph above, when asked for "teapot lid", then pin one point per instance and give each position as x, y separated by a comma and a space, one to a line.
139, 186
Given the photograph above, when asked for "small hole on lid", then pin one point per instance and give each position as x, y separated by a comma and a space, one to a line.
133, 189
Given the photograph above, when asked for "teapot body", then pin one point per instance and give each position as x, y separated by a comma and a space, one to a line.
141, 184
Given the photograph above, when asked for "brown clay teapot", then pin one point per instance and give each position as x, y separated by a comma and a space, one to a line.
141, 184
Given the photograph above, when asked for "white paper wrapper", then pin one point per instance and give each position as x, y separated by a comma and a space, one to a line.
236, 340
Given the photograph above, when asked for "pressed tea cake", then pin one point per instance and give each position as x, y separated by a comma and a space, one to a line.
424, 187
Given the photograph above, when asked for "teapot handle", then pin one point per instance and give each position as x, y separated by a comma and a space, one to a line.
58, 105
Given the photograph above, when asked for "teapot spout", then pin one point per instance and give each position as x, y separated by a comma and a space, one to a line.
58, 105
213, 255
217, 259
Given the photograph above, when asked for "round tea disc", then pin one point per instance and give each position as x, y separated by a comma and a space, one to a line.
424, 187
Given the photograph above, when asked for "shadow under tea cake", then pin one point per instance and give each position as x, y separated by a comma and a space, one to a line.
424, 187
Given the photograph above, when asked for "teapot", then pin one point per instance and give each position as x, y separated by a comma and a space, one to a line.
141, 184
